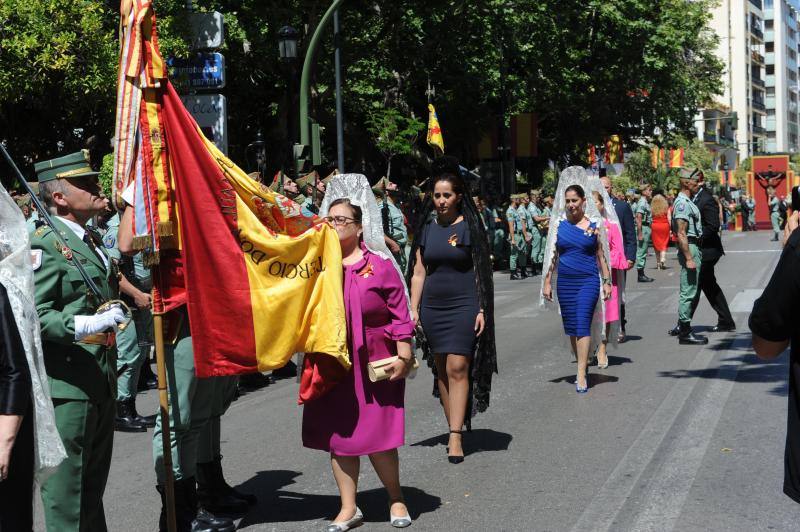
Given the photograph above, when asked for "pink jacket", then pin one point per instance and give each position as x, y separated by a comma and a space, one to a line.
616, 249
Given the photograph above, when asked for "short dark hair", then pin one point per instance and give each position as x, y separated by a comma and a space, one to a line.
577, 189
355, 208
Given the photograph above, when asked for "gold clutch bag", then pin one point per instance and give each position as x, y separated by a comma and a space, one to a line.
377, 369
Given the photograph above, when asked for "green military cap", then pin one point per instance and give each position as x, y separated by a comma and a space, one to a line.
66, 167
328, 179
379, 188
692, 174
299, 199
307, 180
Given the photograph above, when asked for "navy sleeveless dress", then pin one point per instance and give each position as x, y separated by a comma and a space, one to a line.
578, 284
449, 302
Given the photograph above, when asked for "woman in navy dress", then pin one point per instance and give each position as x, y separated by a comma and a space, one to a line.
578, 261
451, 298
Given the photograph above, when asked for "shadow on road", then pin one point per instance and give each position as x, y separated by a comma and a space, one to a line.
754, 370
477, 441
594, 378
279, 506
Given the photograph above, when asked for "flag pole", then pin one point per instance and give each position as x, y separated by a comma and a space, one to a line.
163, 400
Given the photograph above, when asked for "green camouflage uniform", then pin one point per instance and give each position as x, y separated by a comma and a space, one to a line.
643, 208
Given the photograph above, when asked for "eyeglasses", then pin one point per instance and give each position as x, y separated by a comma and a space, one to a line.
340, 220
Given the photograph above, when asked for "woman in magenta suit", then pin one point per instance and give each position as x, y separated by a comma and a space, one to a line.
359, 417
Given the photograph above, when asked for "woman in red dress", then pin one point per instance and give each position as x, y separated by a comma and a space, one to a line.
660, 229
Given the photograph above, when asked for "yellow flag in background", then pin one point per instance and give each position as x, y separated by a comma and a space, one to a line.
435, 138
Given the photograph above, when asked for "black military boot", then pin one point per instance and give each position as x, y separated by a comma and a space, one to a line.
185, 513
203, 519
524, 272
213, 496
126, 420
675, 331
687, 337
643, 278
147, 421
222, 485
515, 275
147, 379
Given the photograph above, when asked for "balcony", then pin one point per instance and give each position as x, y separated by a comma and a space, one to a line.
756, 32
757, 57
758, 82
758, 130
758, 105
756, 3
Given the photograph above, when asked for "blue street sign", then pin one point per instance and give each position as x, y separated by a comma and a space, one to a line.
204, 70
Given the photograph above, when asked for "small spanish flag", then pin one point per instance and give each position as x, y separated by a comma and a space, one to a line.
435, 138
657, 156
592, 154
676, 158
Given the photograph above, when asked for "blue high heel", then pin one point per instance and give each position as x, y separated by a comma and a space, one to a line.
583, 389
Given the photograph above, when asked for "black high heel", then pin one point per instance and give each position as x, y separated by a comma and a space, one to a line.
455, 459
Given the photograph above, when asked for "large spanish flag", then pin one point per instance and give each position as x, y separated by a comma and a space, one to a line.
262, 280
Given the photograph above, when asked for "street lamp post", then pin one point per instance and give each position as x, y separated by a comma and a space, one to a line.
258, 150
287, 50
305, 85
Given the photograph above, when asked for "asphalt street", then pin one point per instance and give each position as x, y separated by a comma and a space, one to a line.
669, 437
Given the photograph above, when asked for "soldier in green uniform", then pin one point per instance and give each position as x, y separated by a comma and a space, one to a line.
516, 239
77, 342
686, 224
774, 214
306, 186
529, 225
538, 236
394, 223
134, 283
191, 402
525, 222
644, 219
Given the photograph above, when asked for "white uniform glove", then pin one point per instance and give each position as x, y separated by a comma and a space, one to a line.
88, 325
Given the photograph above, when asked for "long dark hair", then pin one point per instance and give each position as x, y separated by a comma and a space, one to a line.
484, 362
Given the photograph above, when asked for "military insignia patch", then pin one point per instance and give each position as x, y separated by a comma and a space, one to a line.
36, 259
681, 207
66, 252
40, 231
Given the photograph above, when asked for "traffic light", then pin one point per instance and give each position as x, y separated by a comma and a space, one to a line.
301, 153
733, 121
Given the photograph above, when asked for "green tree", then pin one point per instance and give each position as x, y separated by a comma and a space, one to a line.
393, 133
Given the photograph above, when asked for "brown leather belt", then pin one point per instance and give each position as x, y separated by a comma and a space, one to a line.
106, 339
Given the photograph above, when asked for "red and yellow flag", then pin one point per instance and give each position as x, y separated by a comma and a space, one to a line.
435, 138
657, 156
591, 154
260, 280
676, 158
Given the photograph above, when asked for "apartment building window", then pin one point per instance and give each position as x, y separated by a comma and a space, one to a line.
768, 24
770, 91
769, 47
792, 53
770, 70
792, 34
770, 113
791, 74
767, 4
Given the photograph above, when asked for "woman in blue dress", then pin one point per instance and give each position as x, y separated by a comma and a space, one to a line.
579, 260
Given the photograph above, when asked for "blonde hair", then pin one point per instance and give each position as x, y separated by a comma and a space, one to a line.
659, 205
598, 197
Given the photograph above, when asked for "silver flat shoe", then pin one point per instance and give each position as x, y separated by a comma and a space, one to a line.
343, 526
401, 521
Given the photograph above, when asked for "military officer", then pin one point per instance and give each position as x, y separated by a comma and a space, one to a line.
524, 206
191, 403
515, 237
77, 342
686, 224
644, 219
132, 353
394, 222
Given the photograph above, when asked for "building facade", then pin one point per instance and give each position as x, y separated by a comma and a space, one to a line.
758, 43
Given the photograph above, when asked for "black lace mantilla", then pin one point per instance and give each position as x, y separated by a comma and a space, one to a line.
484, 361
